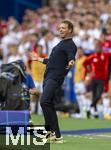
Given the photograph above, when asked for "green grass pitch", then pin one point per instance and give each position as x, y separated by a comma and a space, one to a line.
99, 141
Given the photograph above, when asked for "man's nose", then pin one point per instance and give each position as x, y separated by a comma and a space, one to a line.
60, 30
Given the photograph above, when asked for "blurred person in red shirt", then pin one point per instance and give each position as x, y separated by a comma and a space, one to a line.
105, 42
3, 26
97, 65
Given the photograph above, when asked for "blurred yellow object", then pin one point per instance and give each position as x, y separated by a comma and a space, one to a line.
37, 69
63, 114
107, 117
80, 69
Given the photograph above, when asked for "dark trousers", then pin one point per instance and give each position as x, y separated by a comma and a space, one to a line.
97, 89
47, 103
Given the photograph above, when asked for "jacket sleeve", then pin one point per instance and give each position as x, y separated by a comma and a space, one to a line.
3, 89
87, 63
71, 52
45, 61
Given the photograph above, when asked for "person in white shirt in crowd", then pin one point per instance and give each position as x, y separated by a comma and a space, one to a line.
13, 54
48, 41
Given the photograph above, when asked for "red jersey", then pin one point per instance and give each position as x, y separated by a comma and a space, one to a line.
99, 64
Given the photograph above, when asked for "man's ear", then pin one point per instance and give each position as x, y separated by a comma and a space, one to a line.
70, 30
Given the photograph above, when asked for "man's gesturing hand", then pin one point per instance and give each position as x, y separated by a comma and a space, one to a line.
33, 56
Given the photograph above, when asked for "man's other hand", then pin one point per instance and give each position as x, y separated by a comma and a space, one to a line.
70, 64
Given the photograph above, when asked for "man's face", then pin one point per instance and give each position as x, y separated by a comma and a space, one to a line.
98, 48
49, 36
64, 31
33, 38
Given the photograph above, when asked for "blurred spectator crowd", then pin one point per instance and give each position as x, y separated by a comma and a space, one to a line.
92, 35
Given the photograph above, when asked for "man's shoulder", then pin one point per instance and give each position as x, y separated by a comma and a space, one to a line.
69, 42
66, 44
71, 45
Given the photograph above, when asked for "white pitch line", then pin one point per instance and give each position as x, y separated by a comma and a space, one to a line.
69, 135
91, 136
103, 135
80, 136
